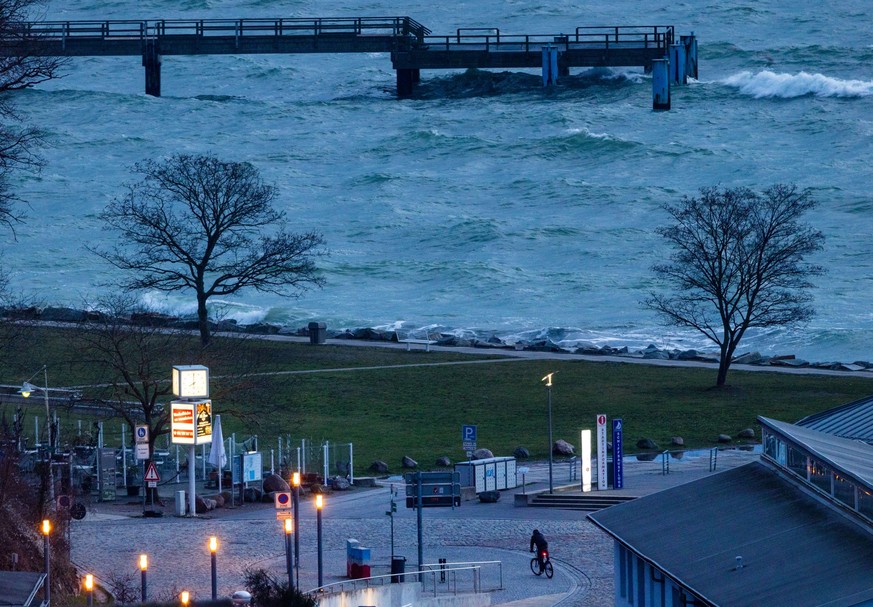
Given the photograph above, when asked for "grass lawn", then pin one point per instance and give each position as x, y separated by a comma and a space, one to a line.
417, 408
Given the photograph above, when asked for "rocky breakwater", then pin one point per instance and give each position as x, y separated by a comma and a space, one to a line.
446, 338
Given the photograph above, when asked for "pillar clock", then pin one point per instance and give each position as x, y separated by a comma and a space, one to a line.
191, 381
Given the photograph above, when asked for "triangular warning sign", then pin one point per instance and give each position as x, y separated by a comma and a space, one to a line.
151, 475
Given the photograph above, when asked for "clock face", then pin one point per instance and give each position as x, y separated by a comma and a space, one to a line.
191, 382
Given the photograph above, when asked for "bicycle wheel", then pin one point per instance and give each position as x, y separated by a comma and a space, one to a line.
550, 571
535, 566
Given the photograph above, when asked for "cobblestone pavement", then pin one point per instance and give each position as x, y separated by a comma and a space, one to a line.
108, 541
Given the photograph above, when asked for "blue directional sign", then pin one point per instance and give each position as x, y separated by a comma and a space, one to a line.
617, 455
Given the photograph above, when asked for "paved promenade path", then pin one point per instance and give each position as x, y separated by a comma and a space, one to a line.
108, 541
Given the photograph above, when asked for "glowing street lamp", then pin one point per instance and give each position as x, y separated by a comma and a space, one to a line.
89, 588
289, 559
548, 380
213, 548
143, 567
46, 530
295, 493
185, 598
319, 504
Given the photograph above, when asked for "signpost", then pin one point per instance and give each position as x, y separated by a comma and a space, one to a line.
191, 419
585, 450
430, 490
617, 455
284, 505
468, 439
602, 483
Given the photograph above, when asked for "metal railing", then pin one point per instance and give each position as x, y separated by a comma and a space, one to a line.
444, 568
418, 576
613, 36
127, 29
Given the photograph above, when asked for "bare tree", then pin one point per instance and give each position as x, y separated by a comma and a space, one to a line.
131, 357
21, 66
200, 224
738, 262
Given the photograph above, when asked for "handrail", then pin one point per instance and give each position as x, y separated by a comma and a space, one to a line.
478, 563
396, 26
320, 590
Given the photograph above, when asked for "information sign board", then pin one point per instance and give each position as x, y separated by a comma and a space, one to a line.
438, 489
106, 461
191, 423
142, 451
602, 483
617, 455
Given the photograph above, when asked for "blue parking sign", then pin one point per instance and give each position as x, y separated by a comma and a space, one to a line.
468, 433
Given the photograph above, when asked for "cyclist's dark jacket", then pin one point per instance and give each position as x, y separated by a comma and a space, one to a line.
540, 541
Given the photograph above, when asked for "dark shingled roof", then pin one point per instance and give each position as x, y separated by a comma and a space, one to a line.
853, 420
796, 551
18, 588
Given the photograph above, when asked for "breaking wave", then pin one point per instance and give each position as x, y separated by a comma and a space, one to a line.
787, 86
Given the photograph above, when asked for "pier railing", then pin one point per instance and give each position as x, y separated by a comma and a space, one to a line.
127, 29
601, 37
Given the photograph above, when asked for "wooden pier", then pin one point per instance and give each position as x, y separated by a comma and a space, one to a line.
411, 45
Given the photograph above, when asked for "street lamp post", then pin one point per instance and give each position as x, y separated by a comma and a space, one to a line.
295, 492
213, 548
89, 588
548, 380
319, 504
46, 530
143, 567
289, 555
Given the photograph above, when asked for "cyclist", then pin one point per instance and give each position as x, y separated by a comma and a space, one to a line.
539, 540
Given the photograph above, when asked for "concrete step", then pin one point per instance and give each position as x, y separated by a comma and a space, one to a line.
584, 503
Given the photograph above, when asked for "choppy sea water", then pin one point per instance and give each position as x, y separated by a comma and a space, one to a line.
485, 203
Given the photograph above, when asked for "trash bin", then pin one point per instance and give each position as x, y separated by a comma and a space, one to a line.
317, 333
398, 565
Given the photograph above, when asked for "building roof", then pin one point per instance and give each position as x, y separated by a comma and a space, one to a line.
853, 420
19, 588
852, 457
795, 550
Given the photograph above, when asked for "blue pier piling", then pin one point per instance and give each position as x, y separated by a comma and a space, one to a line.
677, 64
690, 45
406, 80
550, 65
151, 61
660, 84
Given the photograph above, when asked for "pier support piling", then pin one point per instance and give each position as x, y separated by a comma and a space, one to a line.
660, 84
406, 81
550, 65
689, 43
151, 61
677, 64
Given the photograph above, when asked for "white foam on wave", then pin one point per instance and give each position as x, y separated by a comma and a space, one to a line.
771, 84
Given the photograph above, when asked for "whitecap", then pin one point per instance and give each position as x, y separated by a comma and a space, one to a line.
787, 86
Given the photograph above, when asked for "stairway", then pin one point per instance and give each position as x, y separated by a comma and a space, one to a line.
576, 501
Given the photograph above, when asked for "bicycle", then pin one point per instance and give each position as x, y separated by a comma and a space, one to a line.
546, 566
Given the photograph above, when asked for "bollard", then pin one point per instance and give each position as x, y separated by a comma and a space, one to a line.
180, 503
660, 84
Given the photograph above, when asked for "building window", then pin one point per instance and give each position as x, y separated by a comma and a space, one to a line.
844, 490
865, 502
797, 462
820, 476
622, 572
770, 445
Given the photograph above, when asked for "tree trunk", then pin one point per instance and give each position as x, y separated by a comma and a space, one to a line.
724, 363
202, 320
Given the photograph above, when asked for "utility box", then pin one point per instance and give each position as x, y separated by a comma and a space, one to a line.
317, 333
491, 474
